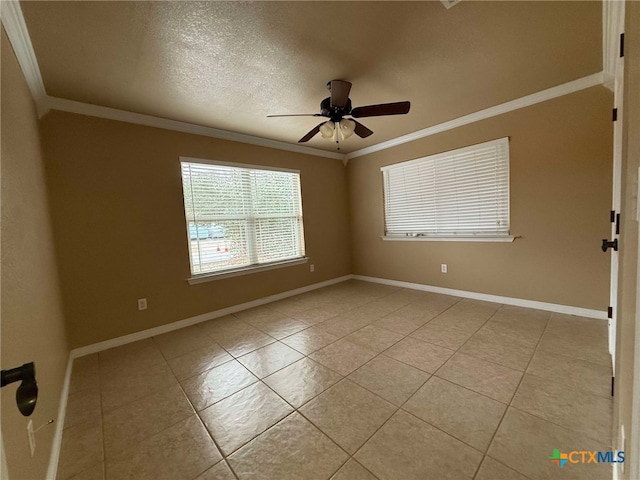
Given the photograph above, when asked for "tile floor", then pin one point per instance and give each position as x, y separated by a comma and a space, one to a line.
356, 381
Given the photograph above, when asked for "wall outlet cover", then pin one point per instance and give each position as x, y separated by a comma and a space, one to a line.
142, 304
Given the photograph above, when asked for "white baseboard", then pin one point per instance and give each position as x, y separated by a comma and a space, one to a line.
519, 302
134, 337
52, 470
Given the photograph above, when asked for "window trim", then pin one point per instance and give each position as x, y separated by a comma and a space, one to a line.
236, 272
460, 238
252, 268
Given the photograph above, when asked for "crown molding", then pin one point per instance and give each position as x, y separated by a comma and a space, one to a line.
72, 106
16, 28
542, 96
449, 3
54, 103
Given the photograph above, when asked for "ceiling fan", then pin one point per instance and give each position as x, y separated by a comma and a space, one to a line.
338, 106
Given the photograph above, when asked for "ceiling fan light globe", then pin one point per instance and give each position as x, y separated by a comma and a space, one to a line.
327, 130
346, 128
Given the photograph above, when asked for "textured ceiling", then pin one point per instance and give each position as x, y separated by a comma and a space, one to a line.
229, 64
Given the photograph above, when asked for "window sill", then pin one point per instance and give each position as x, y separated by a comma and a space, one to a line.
210, 277
460, 238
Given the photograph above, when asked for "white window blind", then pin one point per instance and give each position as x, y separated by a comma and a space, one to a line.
239, 217
463, 192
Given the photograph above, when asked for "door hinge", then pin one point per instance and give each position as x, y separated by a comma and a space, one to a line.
622, 44
614, 115
615, 218
613, 385
609, 312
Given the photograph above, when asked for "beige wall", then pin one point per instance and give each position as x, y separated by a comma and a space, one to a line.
627, 307
560, 180
32, 326
119, 220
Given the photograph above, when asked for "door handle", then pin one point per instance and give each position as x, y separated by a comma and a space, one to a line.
606, 244
27, 392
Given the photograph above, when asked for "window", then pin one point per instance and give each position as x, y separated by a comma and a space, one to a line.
461, 194
238, 217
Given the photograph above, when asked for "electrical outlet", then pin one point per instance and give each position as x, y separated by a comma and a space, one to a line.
142, 304
443, 268
32, 438
312, 268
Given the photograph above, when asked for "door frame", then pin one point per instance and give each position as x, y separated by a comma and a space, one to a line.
614, 12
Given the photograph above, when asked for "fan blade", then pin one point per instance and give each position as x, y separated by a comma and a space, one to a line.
361, 130
296, 115
311, 134
397, 108
339, 93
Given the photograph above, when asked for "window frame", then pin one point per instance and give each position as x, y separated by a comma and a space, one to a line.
450, 237
197, 278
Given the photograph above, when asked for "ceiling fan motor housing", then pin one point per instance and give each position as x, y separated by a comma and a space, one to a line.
334, 113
